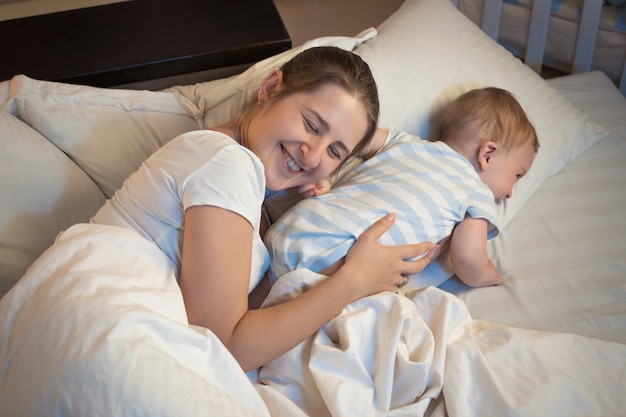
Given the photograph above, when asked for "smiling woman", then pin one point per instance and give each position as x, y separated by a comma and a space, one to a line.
303, 137
331, 98
307, 118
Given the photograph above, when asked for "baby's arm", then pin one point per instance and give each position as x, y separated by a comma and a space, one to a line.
468, 254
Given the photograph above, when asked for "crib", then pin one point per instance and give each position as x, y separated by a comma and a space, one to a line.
544, 35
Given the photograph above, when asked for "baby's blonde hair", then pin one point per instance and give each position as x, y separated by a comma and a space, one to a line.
487, 114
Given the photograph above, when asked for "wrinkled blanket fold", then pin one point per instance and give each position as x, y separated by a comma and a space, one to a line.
396, 355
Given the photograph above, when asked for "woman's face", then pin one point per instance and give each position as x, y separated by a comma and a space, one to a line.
303, 137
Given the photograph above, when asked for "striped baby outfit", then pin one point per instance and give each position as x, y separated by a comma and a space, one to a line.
429, 186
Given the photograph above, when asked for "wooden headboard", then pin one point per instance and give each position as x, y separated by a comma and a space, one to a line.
133, 41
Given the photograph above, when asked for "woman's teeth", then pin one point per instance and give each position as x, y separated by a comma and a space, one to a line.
291, 163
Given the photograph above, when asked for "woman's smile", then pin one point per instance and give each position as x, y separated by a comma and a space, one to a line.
292, 165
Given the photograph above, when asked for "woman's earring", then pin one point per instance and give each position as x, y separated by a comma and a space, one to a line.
261, 103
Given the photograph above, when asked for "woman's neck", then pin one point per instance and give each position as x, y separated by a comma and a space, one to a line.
231, 129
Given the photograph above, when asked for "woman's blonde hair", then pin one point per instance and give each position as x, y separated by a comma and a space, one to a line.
487, 114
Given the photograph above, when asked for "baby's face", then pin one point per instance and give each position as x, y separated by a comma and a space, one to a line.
507, 168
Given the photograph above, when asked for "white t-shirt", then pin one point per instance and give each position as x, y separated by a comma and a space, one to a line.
197, 168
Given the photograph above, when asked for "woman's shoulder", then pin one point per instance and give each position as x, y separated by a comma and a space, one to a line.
203, 138
206, 143
202, 150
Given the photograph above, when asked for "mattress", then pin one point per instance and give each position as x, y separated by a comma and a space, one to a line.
563, 257
610, 48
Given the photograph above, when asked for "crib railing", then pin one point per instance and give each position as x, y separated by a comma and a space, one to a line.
538, 32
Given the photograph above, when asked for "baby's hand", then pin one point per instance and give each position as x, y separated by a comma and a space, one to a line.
314, 189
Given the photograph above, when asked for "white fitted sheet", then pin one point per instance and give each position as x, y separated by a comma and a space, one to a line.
563, 256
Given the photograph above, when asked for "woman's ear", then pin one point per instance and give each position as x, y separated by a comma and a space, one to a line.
270, 85
486, 152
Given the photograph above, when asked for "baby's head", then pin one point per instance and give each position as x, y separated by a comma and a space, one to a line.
490, 128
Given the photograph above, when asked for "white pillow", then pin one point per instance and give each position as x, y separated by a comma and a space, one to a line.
42, 192
223, 99
107, 132
428, 53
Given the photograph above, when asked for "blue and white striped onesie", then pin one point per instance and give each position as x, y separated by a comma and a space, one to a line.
429, 186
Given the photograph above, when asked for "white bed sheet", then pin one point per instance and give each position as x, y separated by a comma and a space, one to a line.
563, 257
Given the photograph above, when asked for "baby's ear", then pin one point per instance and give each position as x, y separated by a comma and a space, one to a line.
486, 152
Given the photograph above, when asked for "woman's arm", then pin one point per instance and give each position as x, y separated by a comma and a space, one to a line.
468, 254
215, 273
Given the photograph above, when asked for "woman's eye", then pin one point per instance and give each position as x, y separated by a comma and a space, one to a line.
310, 126
333, 152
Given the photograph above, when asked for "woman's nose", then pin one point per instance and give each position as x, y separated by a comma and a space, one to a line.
312, 153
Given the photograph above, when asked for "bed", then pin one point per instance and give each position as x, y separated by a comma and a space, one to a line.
565, 35
95, 325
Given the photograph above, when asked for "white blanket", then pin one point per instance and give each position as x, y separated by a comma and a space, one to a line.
97, 327
394, 355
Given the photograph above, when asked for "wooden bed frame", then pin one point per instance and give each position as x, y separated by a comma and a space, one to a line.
133, 41
538, 31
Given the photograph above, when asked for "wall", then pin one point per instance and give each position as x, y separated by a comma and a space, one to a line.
13, 9
308, 19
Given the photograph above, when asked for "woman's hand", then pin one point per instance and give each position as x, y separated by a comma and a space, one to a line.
375, 267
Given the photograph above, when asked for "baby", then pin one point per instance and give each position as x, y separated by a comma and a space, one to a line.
437, 189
